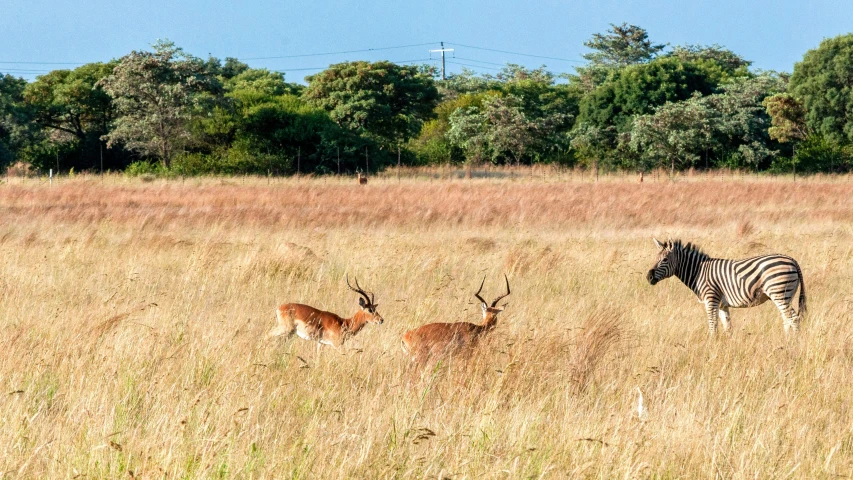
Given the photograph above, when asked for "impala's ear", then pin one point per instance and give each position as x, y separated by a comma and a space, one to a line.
657, 243
375, 306
361, 302
485, 308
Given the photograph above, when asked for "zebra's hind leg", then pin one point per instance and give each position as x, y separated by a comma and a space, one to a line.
712, 310
789, 317
725, 318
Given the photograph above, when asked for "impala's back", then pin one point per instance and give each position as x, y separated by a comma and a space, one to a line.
440, 339
445, 339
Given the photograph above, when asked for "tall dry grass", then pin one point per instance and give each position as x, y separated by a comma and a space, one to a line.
133, 320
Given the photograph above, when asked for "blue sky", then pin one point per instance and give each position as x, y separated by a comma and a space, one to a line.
773, 34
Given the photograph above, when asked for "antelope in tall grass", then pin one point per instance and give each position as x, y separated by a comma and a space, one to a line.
446, 339
362, 179
325, 328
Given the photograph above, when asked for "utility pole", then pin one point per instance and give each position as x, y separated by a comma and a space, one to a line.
442, 50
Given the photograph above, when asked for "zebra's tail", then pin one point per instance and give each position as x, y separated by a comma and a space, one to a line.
802, 301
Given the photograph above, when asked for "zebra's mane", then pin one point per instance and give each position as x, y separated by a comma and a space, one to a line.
689, 248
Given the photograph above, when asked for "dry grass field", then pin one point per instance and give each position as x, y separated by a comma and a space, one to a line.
133, 318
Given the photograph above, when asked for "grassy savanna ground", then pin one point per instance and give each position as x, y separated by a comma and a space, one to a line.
133, 317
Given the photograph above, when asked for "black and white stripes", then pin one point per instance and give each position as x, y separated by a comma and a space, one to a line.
721, 283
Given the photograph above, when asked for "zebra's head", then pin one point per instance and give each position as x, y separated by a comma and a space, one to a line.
665, 265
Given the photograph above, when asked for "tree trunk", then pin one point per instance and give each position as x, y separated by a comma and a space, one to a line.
167, 160
794, 160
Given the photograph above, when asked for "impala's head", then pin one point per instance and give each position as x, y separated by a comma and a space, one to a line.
490, 312
367, 303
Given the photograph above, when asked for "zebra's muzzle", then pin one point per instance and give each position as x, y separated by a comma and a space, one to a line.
651, 277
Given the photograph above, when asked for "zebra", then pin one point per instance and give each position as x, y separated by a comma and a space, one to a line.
721, 283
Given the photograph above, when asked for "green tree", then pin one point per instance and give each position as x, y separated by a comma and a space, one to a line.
215, 128
788, 121
741, 121
434, 145
718, 54
72, 102
717, 63
260, 81
674, 134
290, 134
382, 100
621, 46
155, 94
535, 97
465, 82
593, 144
230, 69
502, 129
823, 80
815, 154
787, 118
509, 130
638, 89
467, 131
15, 123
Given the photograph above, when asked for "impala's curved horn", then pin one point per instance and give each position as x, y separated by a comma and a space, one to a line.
359, 290
365, 292
372, 296
480, 290
504, 295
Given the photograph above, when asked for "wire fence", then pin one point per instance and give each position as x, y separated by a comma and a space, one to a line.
547, 173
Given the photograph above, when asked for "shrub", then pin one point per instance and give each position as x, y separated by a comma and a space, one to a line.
144, 167
816, 154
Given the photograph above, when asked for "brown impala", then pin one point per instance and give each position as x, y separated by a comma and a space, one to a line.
443, 339
325, 328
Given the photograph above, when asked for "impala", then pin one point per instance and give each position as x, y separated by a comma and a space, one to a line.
445, 339
325, 328
362, 179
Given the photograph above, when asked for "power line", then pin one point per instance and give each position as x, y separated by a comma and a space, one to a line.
23, 70
46, 63
282, 70
480, 61
344, 52
473, 66
517, 53
253, 58
339, 53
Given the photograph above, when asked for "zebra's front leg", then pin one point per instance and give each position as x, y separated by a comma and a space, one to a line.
712, 309
725, 318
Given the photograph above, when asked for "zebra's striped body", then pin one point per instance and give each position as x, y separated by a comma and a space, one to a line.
721, 283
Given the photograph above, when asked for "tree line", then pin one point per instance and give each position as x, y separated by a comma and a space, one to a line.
634, 105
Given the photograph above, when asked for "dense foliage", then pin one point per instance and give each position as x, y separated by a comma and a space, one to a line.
635, 105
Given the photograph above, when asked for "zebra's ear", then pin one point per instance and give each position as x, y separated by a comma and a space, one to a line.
657, 243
